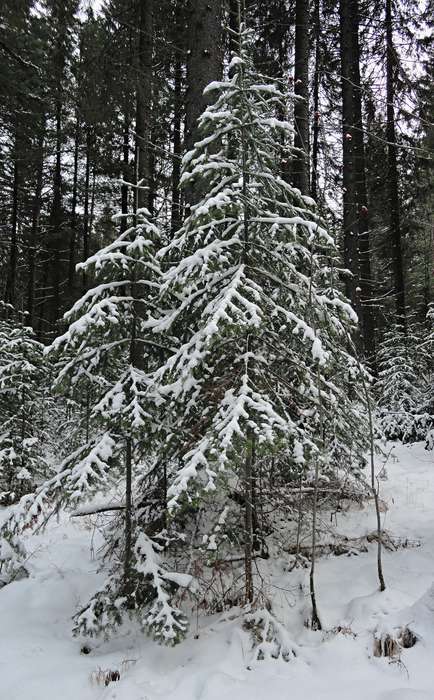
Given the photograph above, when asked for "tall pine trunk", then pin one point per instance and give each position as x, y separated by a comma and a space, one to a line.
144, 103
204, 64
86, 198
73, 220
128, 515
349, 177
55, 229
125, 166
10, 292
86, 202
316, 114
36, 211
176, 216
392, 172
248, 513
301, 89
365, 279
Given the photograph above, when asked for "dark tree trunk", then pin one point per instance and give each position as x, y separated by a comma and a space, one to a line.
62, 18
365, 279
248, 500
86, 199
136, 360
176, 216
357, 252
316, 114
204, 64
55, 231
300, 169
92, 207
392, 174
10, 292
125, 168
144, 102
350, 213
36, 210
128, 515
152, 176
233, 23
73, 222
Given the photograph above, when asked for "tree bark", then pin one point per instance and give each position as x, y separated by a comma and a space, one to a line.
128, 515
248, 500
204, 64
36, 210
316, 622
316, 114
300, 172
144, 102
10, 292
392, 174
176, 216
125, 168
86, 217
55, 229
350, 214
73, 222
365, 274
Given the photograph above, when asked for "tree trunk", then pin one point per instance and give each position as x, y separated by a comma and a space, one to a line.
176, 216
233, 25
152, 175
144, 101
316, 622
92, 207
392, 174
374, 486
365, 279
10, 292
73, 222
128, 514
316, 114
204, 64
86, 203
86, 197
248, 500
250, 437
350, 214
36, 210
125, 168
55, 230
300, 172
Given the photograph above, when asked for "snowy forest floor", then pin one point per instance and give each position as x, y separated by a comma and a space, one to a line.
39, 659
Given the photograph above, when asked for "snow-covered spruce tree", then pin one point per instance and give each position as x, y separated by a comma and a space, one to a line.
404, 383
263, 329
428, 349
22, 464
104, 356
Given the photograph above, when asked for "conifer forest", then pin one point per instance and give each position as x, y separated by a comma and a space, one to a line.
216, 349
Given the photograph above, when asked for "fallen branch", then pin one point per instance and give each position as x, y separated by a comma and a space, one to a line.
94, 510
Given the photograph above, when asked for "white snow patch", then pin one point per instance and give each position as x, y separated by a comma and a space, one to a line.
40, 660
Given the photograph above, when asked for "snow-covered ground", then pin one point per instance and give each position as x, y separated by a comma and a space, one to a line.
39, 659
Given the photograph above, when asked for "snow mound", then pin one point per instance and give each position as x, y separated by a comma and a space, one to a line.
419, 618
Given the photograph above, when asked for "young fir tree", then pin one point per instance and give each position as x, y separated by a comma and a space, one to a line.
245, 362
404, 384
104, 355
262, 366
21, 405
